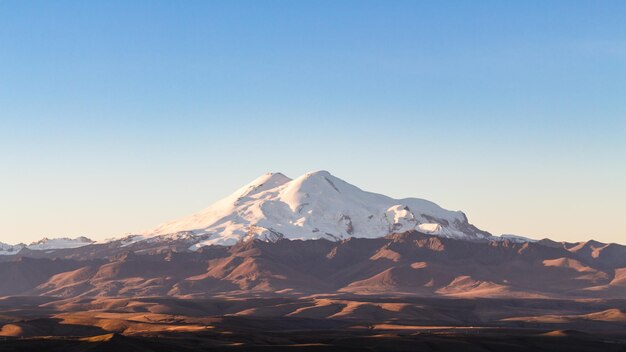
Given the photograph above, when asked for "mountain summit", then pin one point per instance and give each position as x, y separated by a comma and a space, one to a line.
313, 206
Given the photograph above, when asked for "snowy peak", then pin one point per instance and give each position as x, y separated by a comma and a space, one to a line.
46, 244
262, 183
312, 206
59, 243
321, 182
9, 249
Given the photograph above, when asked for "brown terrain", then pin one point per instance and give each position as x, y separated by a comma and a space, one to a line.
406, 291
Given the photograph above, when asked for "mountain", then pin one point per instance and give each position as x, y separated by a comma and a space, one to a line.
45, 244
10, 249
313, 206
59, 243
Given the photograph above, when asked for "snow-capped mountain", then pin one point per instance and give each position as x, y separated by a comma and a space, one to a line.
10, 249
59, 243
46, 244
312, 206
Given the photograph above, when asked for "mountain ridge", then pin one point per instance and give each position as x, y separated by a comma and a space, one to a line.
408, 263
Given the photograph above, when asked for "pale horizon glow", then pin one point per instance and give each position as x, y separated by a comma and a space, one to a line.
116, 117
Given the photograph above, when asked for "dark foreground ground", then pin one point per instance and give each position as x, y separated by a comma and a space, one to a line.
339, 340
320, 323
324, 341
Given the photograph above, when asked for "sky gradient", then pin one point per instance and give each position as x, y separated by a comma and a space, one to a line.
116, 116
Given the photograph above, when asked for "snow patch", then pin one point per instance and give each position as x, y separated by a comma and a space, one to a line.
513, 238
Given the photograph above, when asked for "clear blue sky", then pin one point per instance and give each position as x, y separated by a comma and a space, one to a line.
119, 115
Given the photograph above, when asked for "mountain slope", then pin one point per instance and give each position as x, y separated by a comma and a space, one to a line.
313, 206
